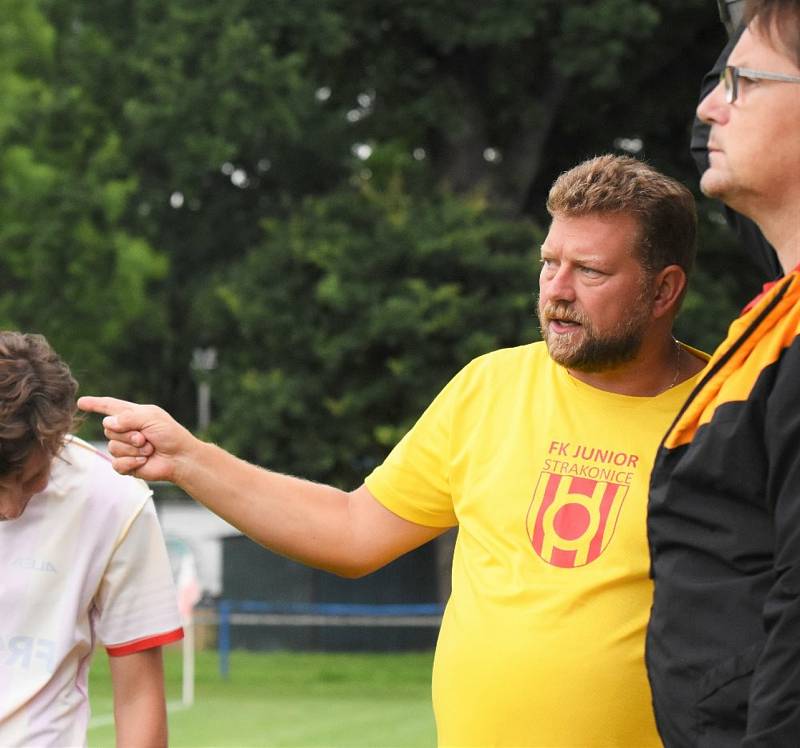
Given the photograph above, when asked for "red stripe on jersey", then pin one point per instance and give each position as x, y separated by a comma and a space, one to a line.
149, 642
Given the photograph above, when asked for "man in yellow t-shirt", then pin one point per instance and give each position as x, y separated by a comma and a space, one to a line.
546, 478
539, 454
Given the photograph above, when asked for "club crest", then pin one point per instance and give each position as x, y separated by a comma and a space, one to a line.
571, 520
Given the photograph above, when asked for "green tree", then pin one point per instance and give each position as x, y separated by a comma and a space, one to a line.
68, 267
341, 197
221, 128
343, 321
505, 95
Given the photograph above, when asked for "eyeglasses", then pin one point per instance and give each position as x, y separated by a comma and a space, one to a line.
731, 74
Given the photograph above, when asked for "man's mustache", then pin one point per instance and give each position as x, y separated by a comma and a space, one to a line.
561, 312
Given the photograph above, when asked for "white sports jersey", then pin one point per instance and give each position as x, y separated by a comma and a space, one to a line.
85, 563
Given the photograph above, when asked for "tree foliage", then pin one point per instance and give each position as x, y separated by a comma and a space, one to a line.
69, 265
342, 198
341, 324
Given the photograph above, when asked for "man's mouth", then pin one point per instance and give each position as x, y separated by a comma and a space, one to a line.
561, 319
563, 325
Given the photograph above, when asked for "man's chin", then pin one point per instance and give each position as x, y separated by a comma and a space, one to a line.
713, 184
564, 356
562, 348
589, 358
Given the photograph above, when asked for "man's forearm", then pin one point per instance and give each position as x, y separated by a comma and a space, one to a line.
348, 533
307, 521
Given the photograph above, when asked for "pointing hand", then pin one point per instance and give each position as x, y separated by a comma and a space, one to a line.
144, 440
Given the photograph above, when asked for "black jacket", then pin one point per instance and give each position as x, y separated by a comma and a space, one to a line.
723, 644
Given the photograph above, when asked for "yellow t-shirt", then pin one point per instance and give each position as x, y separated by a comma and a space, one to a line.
542, 642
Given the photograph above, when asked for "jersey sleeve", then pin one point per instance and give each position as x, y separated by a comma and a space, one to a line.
136, 605
414, 480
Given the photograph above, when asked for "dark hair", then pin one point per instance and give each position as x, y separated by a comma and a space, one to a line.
777, 20
37, 399
664, 209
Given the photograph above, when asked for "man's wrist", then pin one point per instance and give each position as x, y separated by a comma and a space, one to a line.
189, 461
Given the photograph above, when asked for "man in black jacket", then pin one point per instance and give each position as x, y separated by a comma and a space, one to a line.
723, 646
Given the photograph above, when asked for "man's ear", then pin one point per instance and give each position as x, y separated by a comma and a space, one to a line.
669, 285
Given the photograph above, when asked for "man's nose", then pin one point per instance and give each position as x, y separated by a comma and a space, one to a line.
559, 287
714, 108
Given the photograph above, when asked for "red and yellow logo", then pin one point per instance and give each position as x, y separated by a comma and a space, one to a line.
571, 520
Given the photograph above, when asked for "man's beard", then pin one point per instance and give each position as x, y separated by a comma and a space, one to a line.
593, 353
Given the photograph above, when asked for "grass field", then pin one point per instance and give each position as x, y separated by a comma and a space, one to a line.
291, 699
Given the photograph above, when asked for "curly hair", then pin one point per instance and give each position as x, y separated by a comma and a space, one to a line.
777, 21
37, 399
664, 209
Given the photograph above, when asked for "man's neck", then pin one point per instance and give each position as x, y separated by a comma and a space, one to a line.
657, 368
781, 228
787, 244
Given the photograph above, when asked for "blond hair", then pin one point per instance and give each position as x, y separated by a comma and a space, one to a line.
664, 209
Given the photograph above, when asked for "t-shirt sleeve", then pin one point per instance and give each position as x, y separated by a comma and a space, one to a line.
136, 606
414, 480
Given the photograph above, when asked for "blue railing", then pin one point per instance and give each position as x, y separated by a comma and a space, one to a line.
255, 612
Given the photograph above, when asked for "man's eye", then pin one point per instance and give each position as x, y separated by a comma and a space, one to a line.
590, 272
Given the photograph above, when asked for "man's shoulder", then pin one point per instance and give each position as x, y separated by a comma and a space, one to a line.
529, 354
504, 369
518, 362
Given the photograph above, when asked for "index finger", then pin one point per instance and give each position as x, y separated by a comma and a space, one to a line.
108, 406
